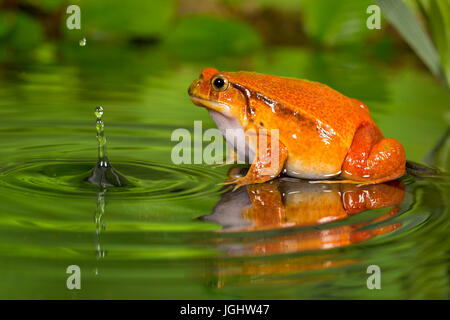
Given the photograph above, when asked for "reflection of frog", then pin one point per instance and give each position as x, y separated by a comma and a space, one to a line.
284, 203
321, 133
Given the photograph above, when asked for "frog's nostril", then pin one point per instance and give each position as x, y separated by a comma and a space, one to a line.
192, 87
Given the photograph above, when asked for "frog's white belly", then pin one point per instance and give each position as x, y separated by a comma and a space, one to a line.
300, 169
233, 133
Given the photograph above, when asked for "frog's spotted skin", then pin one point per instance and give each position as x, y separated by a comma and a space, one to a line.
322, 133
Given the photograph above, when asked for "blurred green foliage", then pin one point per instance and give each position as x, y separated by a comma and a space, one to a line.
410, 28
198, 37
198, 29
26, 32
48, 5
20, 30
127, 18
339, 23
437, 15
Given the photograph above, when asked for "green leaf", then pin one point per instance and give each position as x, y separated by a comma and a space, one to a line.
437, 13
27, 32
332, 22
125, 18
5, 24
408, 25
198, 37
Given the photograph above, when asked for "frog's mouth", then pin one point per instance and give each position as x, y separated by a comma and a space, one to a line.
212, 105
235, 138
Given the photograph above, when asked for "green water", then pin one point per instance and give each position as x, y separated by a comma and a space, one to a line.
147, 239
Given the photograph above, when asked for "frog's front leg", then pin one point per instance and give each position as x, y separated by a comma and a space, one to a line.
267, 163
372, 158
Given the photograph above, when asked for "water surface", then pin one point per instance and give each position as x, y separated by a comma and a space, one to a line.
165, 234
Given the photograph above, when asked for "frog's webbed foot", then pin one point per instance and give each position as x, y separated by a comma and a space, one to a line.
234, 175
242, 181
237, 182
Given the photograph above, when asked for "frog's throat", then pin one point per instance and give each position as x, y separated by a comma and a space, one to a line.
213, 105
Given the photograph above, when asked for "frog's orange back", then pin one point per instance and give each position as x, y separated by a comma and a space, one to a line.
312, 100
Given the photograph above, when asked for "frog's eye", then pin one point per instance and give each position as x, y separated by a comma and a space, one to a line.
220, 83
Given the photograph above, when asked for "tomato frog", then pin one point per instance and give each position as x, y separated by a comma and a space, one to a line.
321, 133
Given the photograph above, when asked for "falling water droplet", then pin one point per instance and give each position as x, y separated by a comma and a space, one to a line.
82, 42
98, 112
103, 174
99, 224
101, 139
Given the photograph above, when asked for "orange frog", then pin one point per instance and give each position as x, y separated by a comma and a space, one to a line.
321, 133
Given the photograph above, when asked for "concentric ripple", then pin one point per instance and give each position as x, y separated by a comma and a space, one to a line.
146, 179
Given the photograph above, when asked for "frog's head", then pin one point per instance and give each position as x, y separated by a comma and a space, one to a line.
226, 104
215, 91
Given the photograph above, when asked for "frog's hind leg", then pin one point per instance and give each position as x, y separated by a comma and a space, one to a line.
372, 158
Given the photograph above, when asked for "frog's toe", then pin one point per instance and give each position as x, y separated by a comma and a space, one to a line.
238, 182
234, 176
229, 182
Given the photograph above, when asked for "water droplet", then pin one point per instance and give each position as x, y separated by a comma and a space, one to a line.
98, 112
103, 174
101, 143
100, 127
82, 42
